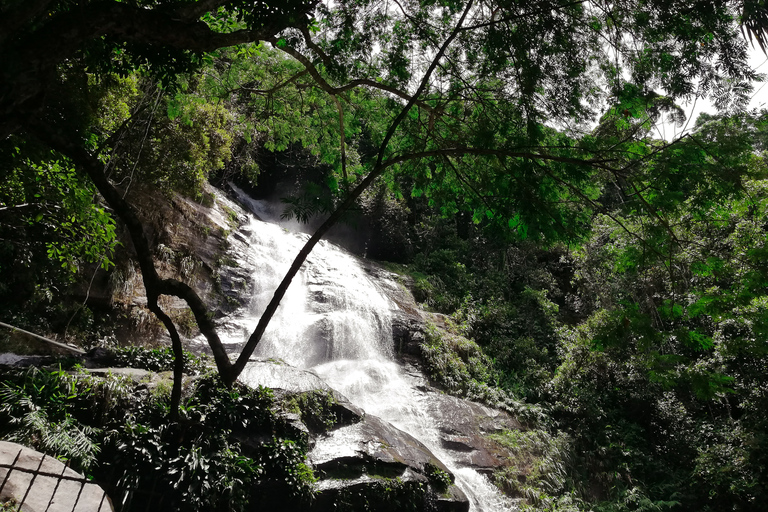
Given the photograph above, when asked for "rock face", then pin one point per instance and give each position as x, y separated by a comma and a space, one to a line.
366, 463
463, 427
190, 241
41, 483
362, 461
355, 461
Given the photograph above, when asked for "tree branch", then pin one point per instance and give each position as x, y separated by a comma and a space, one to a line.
330, 89
29, 63
379, 168
154, 285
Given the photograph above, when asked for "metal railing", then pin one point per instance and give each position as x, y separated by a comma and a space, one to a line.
45, 489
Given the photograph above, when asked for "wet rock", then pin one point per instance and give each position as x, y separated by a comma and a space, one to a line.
287, 380
355, 460
137, 375
45, 484
377, 495
464, 427
16, 360
453, 500
280, 376
234, 282
374, 442
408, 325
99, 357
296, 428
407, 335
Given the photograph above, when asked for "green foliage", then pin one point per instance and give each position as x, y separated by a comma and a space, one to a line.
159, 360
41, 409
110, 428
196, 474
239, 408
387, 495
457, 362
439, 480
642, 342
51, 226
316, 409
9, 506
460, 366
287, 471
648, 385
501, 295
541, 466
175, 150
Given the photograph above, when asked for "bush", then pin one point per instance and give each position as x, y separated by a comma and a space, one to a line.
114, 429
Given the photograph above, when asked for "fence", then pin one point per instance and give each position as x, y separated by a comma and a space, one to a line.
42, 483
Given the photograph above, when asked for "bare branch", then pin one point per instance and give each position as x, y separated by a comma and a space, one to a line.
330, 89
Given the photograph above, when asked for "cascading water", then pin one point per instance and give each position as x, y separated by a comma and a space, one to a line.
335, 321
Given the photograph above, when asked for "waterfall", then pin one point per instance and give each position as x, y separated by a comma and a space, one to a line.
335, 321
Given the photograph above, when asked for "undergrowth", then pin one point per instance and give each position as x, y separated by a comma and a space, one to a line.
231, 450
159, 360
459, 365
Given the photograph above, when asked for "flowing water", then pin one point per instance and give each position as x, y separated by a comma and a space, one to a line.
335, 321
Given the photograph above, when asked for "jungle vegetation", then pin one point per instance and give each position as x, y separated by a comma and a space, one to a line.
613, 277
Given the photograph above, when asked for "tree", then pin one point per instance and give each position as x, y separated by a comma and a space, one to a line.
40, 40
485, 105
662, 386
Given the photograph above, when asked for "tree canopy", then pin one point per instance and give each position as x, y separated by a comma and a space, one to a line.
485, 107
611, 275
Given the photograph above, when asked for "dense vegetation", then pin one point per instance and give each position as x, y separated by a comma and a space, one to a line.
506, 149
113, 429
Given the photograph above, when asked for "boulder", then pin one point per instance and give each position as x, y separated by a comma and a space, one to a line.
373, 458
289, 380
464, 427
407, 335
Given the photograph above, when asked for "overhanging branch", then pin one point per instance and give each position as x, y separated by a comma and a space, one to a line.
153, 284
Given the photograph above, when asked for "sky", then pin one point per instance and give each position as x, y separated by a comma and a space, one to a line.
759, 62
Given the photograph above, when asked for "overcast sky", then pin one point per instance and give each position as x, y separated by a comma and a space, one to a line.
759, 62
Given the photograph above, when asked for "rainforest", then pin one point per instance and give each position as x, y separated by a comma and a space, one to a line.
506, 212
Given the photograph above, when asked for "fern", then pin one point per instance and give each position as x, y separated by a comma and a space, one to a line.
30, 425
72, 441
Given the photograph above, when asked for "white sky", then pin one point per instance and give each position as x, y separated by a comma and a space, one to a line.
759, 63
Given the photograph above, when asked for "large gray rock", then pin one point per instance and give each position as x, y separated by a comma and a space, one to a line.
41, 483
354, 461
464, 427
286, 379
280, 376
362, 456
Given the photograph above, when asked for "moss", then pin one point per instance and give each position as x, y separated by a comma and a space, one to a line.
233, 219
316, 409
385, 495
439, 480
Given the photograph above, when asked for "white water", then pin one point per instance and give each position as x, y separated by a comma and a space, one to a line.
335, 321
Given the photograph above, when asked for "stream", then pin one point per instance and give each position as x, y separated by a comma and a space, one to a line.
335, 321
